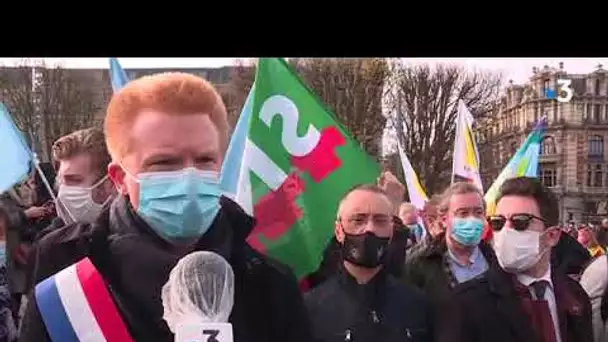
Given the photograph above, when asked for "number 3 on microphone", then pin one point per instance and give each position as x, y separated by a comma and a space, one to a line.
213, 335
204, 332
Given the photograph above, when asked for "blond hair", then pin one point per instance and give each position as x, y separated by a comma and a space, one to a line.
407, 207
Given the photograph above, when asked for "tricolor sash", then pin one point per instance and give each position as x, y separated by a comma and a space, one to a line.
76, 306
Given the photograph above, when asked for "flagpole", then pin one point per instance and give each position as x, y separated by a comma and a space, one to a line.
48, 186
455, 141
38, 120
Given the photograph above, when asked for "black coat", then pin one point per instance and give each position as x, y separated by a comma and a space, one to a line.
569, 256
383, 310
268, 306
492, 311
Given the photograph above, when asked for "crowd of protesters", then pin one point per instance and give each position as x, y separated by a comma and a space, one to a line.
391, 271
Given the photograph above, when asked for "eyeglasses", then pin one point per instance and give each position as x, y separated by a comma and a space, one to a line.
360, 220
519, 222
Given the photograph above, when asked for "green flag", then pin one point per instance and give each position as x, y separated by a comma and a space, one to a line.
297, 165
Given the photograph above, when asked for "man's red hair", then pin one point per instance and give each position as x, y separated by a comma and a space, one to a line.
171, 93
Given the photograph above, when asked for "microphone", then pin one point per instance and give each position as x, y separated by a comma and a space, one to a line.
198, 298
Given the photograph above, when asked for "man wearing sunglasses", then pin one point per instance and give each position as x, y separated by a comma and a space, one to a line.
363, 301
526, 299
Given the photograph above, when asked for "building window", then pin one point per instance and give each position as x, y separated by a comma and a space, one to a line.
547, 146
548, 175
596, 113
595, 175
546, 85
590, 208
597, 86
598, 177
588, 113
596, 146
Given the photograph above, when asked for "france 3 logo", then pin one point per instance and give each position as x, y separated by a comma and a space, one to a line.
563, 93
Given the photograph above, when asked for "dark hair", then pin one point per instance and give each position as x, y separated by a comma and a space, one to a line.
532, 188
90, 141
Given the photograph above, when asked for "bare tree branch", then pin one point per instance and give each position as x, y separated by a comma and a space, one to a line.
423, 105
56, 102
16, 93
237, 89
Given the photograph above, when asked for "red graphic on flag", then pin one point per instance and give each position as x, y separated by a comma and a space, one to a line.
322, 161
276, 212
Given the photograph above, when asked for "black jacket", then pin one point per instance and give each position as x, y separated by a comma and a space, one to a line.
569, 256
135, 263
492, 311
383, 310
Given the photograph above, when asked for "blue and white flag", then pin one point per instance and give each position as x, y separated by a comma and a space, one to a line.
16, 157
231, 168
118, 76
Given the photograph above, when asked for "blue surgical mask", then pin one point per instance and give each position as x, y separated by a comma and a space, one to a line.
416, 229
179, 205
467, 231
2, 252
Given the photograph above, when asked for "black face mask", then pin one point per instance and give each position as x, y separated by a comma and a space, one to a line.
365, 250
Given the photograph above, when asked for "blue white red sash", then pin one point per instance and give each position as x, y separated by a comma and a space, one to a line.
76, 306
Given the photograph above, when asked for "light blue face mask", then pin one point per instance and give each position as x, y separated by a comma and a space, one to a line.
2, 252
467, 231
416, 229
179, 205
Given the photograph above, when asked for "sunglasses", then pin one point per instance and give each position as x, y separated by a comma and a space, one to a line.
519, 222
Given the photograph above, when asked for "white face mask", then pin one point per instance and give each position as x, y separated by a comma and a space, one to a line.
77, 203
517, 251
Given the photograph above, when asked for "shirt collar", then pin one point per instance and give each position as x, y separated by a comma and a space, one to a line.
474, 255
528, 280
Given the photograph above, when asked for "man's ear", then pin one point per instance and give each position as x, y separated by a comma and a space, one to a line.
117, 175
443, 219
339, 232
553, 235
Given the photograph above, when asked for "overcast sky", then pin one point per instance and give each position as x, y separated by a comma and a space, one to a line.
517, 69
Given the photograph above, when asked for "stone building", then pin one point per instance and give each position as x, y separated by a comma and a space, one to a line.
573, 160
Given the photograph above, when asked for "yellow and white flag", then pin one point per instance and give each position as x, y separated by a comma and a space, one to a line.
416, 194
466, 158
